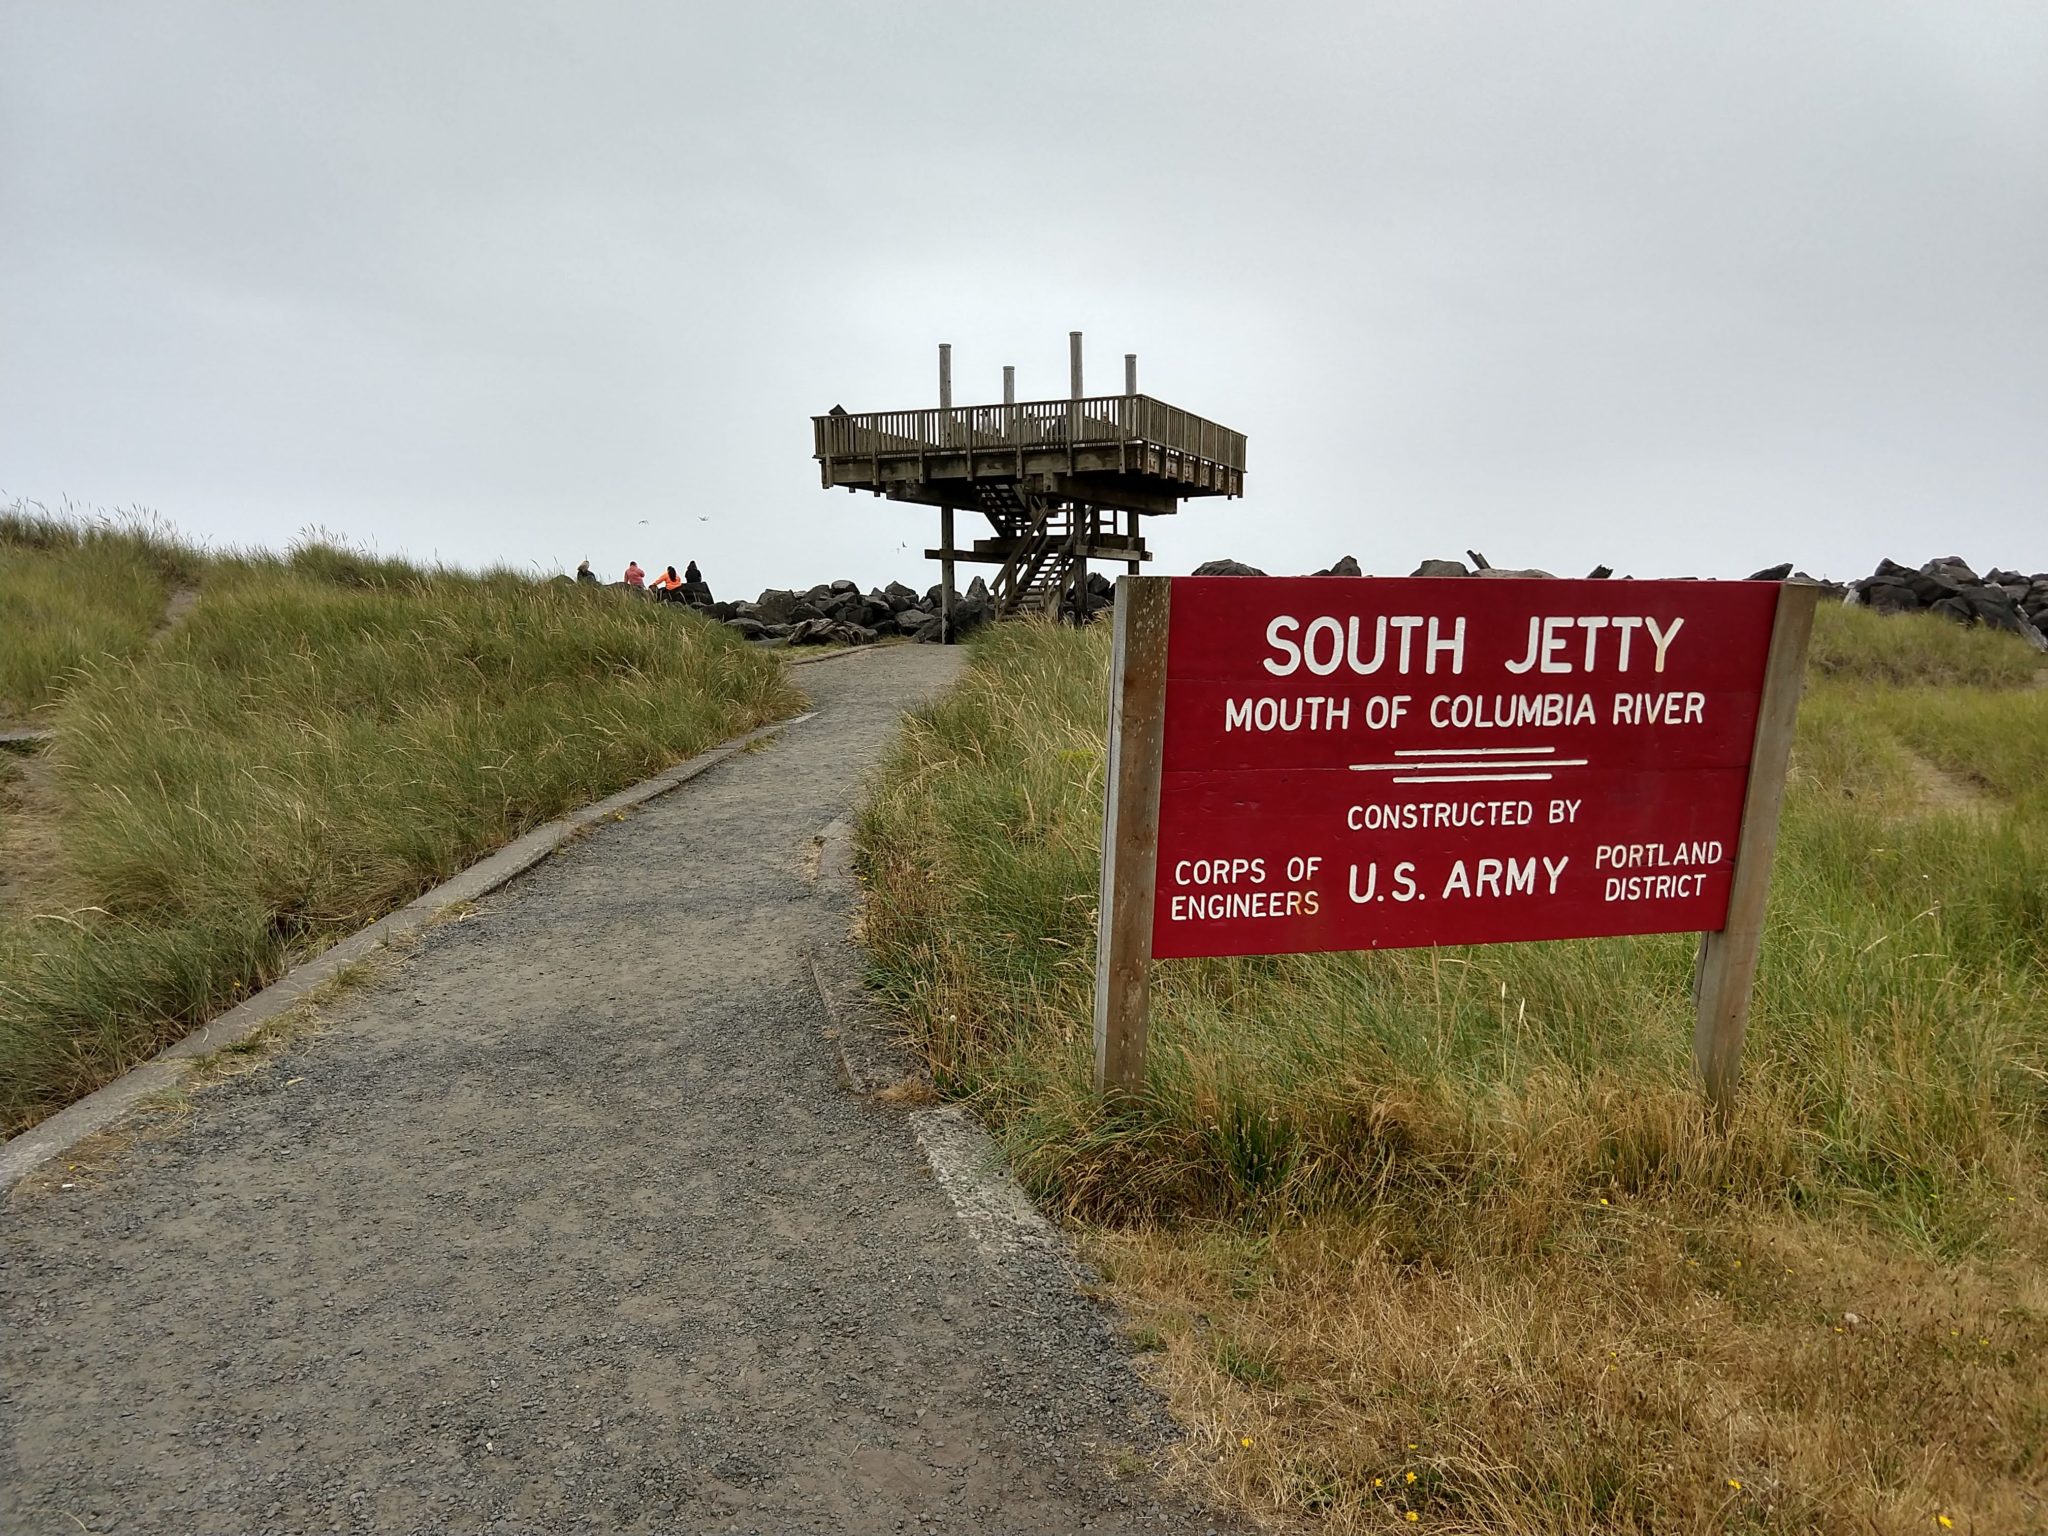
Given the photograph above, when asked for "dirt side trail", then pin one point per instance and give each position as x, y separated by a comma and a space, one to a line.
567, 1223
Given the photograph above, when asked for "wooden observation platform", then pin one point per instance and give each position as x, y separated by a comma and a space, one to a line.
1061, 482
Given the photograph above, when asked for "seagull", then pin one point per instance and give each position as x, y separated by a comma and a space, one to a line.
643, 522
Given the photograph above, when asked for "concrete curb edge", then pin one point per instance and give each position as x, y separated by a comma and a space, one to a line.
21, 1155
1004, 1223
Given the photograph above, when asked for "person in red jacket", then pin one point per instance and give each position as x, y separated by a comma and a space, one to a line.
635, 577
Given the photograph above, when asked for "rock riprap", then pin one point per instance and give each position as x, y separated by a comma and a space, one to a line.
840, 613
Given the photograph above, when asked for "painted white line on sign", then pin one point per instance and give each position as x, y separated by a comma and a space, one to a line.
1495, 766
1468, 778
1470, 751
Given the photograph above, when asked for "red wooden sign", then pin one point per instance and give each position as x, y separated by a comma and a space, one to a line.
1367, 764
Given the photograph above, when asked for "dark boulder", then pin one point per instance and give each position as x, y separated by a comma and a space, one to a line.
900, 597
969, 614
1227, 568
1346, 565
772, 606
1600, 573
1773, 572
1887, 598
752, 629
1440, 568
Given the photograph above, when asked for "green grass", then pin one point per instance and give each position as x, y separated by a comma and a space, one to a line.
74, 591
324, 737
1916, 650
1328, 1143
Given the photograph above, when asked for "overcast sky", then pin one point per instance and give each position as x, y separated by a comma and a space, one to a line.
1678, 288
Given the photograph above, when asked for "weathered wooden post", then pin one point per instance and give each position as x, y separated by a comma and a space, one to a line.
1130, 373
945, 512
1724, 975
946, 574
1130, 831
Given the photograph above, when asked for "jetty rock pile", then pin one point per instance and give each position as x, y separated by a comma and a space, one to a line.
2003, 600
839, 613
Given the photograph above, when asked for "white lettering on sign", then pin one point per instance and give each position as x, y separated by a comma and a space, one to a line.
1219, 871
1440, 813
1215, 906
1510, 711
1501, 877
1550, 639
1330, 643
1401, 888
1657, 855
1271, 714
1653, 887
1659, 708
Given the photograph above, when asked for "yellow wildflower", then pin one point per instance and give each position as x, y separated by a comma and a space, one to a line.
1413, 1516
1245, 1441
1411, 1477
1944, 1522
1735, 1483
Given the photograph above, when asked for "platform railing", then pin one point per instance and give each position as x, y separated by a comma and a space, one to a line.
1095, 419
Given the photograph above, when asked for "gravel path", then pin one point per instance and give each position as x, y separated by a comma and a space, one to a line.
566, 1222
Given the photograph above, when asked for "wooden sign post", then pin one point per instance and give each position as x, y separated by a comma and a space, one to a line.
1724, 974
1130, 831
1335, 763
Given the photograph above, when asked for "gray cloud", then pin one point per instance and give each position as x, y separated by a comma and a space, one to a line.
1677, 287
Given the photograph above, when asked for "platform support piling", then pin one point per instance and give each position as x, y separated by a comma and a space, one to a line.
946, 574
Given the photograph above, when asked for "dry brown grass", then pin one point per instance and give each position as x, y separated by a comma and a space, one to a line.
1645, 1374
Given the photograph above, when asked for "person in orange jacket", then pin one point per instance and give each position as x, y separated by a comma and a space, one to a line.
668, 586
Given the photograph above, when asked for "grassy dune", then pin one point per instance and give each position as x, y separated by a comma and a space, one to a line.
75, 591
324, 737
1444, 1234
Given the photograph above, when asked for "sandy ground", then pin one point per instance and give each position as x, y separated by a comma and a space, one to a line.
566, 1222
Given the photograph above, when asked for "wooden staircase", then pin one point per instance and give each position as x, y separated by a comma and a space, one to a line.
1041, 561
